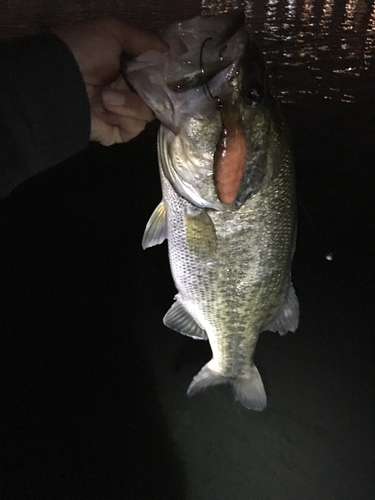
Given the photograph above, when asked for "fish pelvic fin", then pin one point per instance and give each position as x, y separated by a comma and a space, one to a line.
178, 319
249, 390
287, 317
156, 228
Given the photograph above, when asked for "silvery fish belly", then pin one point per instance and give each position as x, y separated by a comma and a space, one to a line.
228, 207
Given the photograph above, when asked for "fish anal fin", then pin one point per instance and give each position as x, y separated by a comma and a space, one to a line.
287, 316
178, 319
249, 390
156, 228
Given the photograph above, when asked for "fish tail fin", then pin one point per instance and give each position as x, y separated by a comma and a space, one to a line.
206, 377
249, 390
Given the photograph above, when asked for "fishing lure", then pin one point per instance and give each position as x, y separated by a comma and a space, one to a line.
231, 151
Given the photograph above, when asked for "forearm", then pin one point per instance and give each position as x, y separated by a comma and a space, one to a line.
44, 109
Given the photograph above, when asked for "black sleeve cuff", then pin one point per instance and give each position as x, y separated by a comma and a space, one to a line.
44, 109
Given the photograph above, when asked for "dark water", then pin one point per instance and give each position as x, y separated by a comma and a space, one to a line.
316, 49
94, 386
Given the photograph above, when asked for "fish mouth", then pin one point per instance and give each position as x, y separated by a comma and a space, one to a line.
197, 74
198, 78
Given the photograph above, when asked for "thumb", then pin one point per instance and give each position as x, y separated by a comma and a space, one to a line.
112, 97
126, 103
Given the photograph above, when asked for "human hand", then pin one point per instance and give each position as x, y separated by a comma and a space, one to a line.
117, 113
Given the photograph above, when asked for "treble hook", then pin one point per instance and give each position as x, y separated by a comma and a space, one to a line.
217, 99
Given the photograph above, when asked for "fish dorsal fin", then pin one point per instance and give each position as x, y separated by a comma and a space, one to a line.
156, 228
179, 320
287, 317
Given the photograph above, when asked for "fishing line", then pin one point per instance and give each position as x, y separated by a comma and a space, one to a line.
219, 104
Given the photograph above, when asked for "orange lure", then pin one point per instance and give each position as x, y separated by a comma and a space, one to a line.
230, 154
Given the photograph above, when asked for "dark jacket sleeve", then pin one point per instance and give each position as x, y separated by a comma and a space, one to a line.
44, 109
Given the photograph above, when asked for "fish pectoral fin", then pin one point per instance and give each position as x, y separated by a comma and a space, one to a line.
287, 317
200, 234
249, 390
205, 378
156, 228
178, 319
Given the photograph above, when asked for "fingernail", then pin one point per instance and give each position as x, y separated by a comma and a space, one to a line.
113, 98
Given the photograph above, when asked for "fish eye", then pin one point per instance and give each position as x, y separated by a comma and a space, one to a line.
253, 94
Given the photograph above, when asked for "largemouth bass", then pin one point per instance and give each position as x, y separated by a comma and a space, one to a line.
230, 248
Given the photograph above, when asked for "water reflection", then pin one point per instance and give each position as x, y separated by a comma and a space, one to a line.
370, 39
320, 48
307, 13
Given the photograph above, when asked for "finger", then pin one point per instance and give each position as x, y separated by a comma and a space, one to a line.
107, 134
125, 124
126, 103
131, 129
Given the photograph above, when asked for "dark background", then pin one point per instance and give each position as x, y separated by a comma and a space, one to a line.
94, 403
